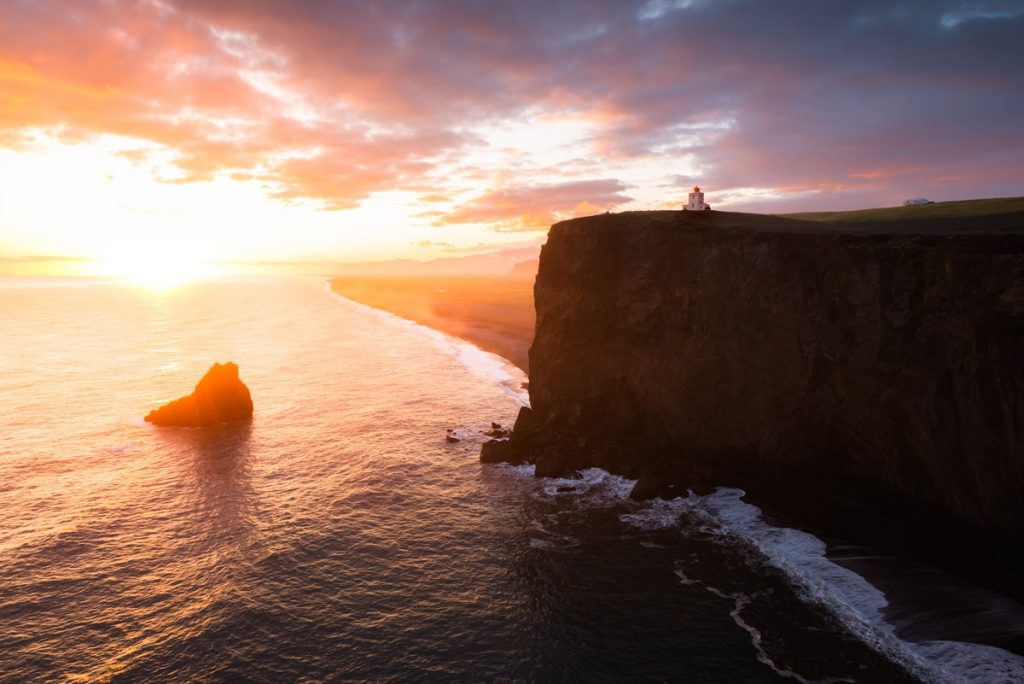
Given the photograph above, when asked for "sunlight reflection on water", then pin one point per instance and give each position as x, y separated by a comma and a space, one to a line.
335, 534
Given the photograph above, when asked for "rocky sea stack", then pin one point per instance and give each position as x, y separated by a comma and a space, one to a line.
219, 397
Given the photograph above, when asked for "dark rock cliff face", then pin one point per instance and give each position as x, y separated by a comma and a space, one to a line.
219, 397
731, 349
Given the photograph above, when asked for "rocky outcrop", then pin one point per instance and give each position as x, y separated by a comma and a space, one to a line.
697, 349
219, 397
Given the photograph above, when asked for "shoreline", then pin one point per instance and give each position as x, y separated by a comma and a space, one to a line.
495, 314
477, 360
910, 563
423, 301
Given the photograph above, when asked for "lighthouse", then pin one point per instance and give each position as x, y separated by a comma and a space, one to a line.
696, 201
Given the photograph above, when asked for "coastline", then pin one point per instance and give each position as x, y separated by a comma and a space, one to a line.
810, 366
483, 363
495, 314
910, 563
920, 632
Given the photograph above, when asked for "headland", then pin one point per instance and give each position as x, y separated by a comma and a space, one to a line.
849, 371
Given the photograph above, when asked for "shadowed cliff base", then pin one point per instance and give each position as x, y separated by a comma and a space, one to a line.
868, 378
496, 314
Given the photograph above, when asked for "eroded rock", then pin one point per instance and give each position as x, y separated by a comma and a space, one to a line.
219, 397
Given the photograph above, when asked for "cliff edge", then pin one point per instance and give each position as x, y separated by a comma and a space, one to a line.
694, 349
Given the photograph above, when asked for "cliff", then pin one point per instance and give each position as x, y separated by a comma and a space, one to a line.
694, 349
220, 396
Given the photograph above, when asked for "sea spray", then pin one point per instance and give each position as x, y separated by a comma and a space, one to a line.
802, 559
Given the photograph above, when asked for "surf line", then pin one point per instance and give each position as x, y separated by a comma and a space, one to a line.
481, 363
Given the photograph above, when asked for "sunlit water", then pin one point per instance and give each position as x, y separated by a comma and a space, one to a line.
337, 536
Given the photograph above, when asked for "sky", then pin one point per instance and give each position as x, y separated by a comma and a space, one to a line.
251, 133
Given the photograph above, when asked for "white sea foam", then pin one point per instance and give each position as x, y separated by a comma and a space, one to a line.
854, 601
739, 602
975, 662
483, 364
799, 555
850, 597
657, 514
523, 470
594, 488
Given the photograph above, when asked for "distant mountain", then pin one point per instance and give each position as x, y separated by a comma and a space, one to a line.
501, 262
525, 269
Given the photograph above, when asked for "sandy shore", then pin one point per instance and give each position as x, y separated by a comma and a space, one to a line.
496, 314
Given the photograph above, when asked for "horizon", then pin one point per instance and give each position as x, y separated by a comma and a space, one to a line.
172, 141
472, 262
477, 340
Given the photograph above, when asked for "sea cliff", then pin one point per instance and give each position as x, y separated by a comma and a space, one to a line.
872, 362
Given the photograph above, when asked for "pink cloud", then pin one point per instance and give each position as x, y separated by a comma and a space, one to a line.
537, 207
854, 102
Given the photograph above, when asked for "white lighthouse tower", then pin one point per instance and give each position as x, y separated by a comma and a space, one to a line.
696, 201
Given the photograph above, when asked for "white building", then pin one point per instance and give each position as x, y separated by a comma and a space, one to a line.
696, 201
916, 200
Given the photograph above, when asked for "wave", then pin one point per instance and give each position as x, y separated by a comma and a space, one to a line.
854, 601
801, 557
483, 364
739, 602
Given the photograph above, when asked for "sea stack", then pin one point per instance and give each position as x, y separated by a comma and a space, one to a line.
219, 397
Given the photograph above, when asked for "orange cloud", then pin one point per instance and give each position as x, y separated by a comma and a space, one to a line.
333, 101
537, 207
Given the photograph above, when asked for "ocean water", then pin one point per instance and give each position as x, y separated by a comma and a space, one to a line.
338, 537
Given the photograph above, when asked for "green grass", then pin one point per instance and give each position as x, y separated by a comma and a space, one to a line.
939, 210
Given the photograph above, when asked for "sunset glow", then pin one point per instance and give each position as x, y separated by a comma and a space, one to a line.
154, 264
512, 340
346, 132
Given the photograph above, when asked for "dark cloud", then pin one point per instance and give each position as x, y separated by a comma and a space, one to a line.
853, 102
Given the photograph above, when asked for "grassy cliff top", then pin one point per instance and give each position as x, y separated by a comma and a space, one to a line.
981, 215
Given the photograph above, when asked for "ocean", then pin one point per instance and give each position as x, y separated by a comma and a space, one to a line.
337, 536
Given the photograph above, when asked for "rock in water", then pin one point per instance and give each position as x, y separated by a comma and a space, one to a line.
219, 397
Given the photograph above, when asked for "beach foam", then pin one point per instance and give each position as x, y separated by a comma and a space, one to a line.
802, 558
483, 364
850, 597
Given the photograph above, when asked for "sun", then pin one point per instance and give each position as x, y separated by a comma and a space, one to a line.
154, 264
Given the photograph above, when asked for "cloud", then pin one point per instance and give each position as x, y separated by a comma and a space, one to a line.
333, 101
537, 207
